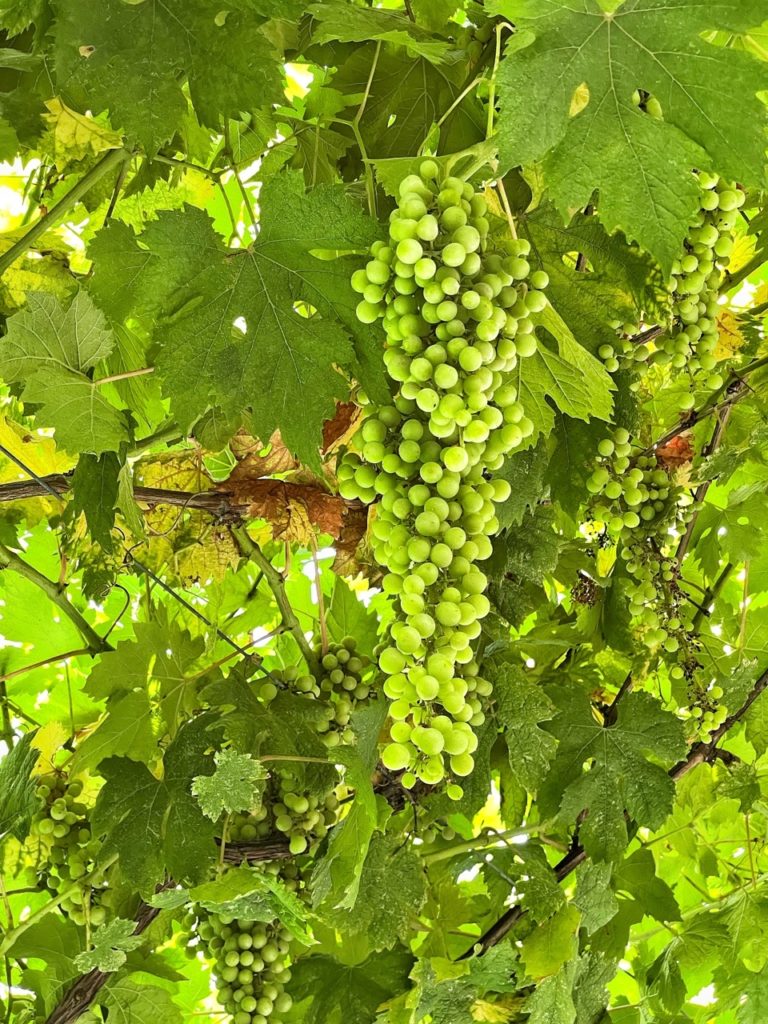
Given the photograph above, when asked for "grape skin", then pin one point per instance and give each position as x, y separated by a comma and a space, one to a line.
429, 457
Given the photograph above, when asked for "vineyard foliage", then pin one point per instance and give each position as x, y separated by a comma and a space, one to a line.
383, 475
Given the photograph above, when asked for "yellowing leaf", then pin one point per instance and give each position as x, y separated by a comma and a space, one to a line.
33, 449
743, 251
492, 1013
49, 740
552, 944
730, 338
74, 135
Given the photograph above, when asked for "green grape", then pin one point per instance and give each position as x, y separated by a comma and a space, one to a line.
452, 343
697, 278
62, 829
250, 985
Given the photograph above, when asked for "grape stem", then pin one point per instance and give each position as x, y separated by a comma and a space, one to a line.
276, 584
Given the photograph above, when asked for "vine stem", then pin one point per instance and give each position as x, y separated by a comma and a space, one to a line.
10, 560
46, 661
54, 215
492, 83
276, 583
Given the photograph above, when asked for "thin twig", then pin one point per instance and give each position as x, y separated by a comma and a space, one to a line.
276, 583
55, 214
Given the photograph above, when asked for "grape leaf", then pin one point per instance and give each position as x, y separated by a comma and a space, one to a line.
392, 891
155, 825
94, 492
594, 897
553, 943
551, 1002
348, 616
336, 876
341, 21
254, 895
340, 993
620, 776
48, 350
637, 875
129, 1001
127, 729
109, 944
234, 335
641, 165
755, 1007
405, 99
18, 801
234, 786
521, 707
130, 59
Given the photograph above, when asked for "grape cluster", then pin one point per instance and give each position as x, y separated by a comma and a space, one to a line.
341, 686
250, 965
694, 288
639, 504
456, 309
303, 817
62, 828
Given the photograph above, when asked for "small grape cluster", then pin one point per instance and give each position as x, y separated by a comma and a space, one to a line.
706, 707
250, 965
633, 492
63, 830
694, 288
456, 310
341, 686
303, 817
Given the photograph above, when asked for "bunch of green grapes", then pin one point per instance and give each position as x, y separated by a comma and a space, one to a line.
706, 707
695, 286
62, 828
340, 686
250, 965
456, 308
642, 510
303, 817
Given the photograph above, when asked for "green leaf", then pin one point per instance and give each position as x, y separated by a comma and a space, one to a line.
552, 943
49, 349
524, 471
336, 876
55, 941
521, 707
128, 1001
341, 21
637, 876
641, 166
156, 825
331, 992
620, 775
594, 898
348, 616
127, 729
236, 785
551, 1002
235, 335
94, 492
139, 55
109, 944
754, 1008
254, 895
390, 896
18, 802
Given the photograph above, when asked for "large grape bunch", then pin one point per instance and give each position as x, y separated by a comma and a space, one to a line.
697, 278
61, 826
250, 965
456, 308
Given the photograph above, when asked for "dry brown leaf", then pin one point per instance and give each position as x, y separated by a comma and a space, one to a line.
349, 541
257, 459
677, 452
342, 427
